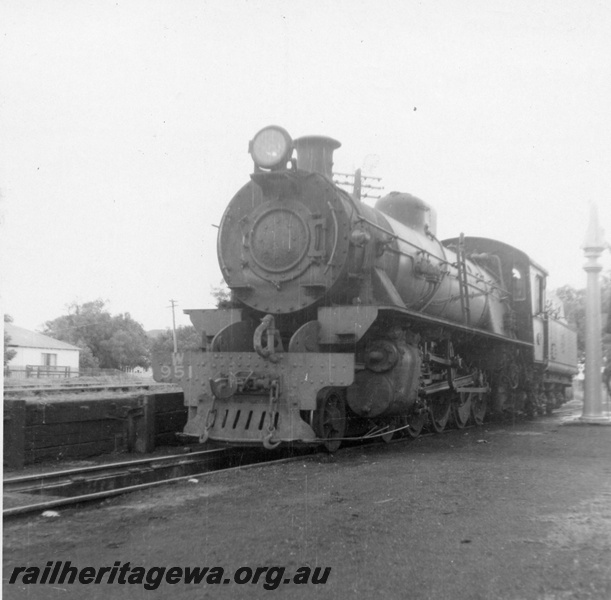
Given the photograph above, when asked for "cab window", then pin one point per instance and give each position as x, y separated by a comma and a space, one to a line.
518, 281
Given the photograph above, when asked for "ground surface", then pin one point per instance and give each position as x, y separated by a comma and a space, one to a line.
511, 511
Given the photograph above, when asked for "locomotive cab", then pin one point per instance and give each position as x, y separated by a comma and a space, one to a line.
535, 378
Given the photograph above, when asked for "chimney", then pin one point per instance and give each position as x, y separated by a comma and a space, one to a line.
315, 154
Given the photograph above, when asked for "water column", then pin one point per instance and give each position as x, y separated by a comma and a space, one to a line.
593, 248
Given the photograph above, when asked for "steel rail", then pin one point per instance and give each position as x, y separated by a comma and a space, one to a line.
197, 464
39, 481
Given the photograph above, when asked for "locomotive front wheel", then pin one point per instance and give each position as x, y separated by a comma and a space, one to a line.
415, 423
387, 437
478, 408
440, 412
461, 408
394, 423
330, 420
541, 403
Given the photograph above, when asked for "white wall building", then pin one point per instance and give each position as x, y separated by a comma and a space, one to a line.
40, 355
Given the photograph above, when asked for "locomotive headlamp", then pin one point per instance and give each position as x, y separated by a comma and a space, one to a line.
271, 147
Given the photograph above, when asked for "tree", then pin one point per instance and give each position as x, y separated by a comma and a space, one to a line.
187, 338
128, 345
106, 341
223, 296
86, 358
574, 301
575, 311
9, 354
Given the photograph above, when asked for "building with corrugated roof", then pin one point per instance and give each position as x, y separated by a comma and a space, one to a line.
40, 355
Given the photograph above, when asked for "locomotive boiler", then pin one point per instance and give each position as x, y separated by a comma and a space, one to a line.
350, 321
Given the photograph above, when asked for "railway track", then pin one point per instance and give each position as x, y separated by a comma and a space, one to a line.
40, 492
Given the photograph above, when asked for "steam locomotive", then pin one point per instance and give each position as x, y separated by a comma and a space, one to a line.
349, 321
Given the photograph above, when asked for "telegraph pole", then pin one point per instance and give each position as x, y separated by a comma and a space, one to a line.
173, 303
363, 186
593, 248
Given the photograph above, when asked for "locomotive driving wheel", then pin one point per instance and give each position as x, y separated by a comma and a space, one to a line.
330, 419
461, 408
439, 412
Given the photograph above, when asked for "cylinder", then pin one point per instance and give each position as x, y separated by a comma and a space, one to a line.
389, 393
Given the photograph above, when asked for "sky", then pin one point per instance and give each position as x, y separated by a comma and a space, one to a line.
125, 125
